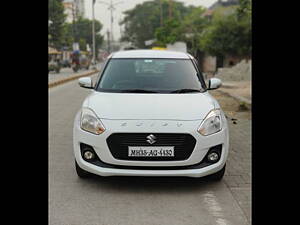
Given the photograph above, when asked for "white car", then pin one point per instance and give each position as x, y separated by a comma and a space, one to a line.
150, 114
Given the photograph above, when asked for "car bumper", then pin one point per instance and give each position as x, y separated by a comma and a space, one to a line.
98, 142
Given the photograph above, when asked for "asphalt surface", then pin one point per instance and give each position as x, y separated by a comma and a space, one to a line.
124, 200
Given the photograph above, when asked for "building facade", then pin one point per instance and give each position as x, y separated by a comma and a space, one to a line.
74, 9
223, 3
79, 5
68, 5
209, 63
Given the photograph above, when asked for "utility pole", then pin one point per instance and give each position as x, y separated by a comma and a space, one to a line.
75, 34
170, 8
49, 36
73, 21
108, 41
120, 26
161, 13
111, 8
93, 27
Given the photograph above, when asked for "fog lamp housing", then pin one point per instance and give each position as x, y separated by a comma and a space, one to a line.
213, 157
214, 154
88, 155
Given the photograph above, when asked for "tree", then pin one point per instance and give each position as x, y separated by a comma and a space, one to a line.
244, 9
84, 29
228, 36
57, 18
84, 33
142, 21
68, 37
169, 32
188, 29
82, 44
193, 25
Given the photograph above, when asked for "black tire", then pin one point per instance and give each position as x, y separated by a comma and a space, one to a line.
218, 175
81, 173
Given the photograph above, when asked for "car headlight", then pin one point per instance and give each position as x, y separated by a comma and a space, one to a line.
212, 123
90, 122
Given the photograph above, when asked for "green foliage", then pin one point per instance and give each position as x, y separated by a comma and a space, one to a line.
194, 22
81, 32
57, 17
142, 21
82, 44
222, 12
193, 25
188, 29
227, 32
169, 33
68, 37
84, 29
63, 34
244, 9
227, 35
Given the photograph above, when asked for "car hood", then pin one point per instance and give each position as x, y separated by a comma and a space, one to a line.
123, 106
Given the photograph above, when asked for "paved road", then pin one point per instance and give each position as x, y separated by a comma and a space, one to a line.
136, 200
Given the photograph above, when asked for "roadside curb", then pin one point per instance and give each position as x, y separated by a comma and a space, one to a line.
240, 99
62, 81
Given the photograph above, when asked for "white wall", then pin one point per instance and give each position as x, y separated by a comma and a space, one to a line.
177, 46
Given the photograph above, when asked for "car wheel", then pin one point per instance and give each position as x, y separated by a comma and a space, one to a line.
218, 175
81, 173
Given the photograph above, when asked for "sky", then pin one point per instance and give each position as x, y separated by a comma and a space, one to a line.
103, 14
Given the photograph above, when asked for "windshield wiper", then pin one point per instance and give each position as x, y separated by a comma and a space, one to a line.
185, 90
138, 91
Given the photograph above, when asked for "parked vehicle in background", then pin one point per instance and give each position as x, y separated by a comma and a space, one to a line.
75, 56
54, 61
85, 61
66, 63
80, 60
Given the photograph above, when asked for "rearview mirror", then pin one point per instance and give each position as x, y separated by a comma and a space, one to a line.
85, 82
214, 83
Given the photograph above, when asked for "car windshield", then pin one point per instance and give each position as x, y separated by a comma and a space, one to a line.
150, 76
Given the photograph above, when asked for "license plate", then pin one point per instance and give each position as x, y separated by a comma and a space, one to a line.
151, 151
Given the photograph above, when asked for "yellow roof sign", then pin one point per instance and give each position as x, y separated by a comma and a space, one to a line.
158, 48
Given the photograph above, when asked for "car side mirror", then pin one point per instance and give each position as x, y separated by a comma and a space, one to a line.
214, 83
85, 82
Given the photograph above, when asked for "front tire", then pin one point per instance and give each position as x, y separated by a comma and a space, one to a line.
218, 175
81, 173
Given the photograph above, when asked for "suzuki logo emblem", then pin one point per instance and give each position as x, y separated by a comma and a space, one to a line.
151, 139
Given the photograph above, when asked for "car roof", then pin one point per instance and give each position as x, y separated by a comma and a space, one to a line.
150, 54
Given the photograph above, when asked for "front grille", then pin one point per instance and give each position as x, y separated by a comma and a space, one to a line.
183, 145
